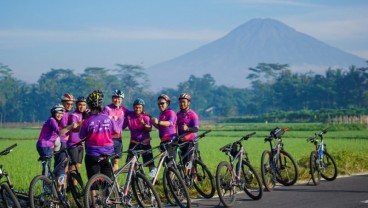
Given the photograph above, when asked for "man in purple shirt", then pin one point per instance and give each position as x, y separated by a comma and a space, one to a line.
51, 132
117, 113
76, 152
166, 123
139, 124
98, 129
188, 123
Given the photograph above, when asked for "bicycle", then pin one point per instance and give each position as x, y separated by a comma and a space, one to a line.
277, 165
321, 163
9, 198
173, 183
45, 191
103, 191
195, 173
237, 173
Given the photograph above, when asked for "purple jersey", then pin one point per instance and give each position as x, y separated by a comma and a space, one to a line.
49, 133
64, 123
190, 118
137, 130
167, 133
120, 113
98, 129
75, 117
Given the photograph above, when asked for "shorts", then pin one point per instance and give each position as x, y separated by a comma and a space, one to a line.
118, 147
171, 149
93, 166
146, 157
185, 152
45, 151
59, 158
76, 154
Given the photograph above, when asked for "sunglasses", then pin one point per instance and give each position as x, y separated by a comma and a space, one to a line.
162, 103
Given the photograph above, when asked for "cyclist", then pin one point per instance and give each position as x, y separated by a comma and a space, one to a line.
166, 123
117, 113
139, 123
98, 129
76, 152
188, 122
49, 139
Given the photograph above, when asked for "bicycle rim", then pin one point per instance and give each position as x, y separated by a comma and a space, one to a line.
42, 193
177, 188
8, 197
204, 182
329, 168
287, 170
100, 192
225, 184
267, 171
314, 168
144, 192
251, 182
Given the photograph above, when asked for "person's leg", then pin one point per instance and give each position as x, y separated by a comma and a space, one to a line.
118, 148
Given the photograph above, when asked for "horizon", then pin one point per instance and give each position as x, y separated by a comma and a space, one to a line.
38, 37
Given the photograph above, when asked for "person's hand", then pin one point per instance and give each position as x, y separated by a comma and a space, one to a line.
142, 122
184, 127
75, 125
154, 121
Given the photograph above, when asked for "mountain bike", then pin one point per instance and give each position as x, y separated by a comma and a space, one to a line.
195, 173
8, 196
277, 165
46, 191
238, 173
175, 190
321, 163
103, 191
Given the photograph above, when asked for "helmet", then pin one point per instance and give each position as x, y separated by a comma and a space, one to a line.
139, 101
117, 93
95, 99
67, 97
81, 99
185, 96
57, 108
165, 97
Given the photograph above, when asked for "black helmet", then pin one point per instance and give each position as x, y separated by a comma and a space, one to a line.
95, 99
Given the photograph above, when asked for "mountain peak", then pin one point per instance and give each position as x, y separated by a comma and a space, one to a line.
256, 41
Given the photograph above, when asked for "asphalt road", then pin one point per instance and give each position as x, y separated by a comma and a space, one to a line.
344, 192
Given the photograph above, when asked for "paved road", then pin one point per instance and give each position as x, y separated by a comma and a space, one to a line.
344, 192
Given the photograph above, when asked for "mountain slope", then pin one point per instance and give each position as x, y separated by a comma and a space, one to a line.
259, 40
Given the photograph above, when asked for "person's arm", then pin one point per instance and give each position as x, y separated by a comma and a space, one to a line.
68, 128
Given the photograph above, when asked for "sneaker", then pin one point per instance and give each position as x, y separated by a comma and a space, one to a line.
153, 172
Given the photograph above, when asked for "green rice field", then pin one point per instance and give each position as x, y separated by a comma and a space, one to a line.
348, 144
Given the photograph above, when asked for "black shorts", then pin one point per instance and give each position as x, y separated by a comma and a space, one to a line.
118, 146
93, 166
171, 149
185, 155
76, 154
146, 157
59, 158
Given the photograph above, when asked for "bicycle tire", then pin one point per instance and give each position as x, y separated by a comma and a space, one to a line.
224, 184
286, 175
204, 182
42, 193
177, 188
144, 192
314, 168
168, 195
9, 198
76, 190
267, 171
252, 182
329, 171
101, 191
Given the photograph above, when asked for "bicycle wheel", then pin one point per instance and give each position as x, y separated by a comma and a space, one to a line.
251, 182
168, 195
314, 168
100, 191
204, 182
287, 170
329, 168
267, 171
42, 193
144, 192
8, 197
76, 187
224, 184
177, 187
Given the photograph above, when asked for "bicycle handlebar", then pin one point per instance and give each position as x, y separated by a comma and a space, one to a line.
246, 137
313, 139
8, 150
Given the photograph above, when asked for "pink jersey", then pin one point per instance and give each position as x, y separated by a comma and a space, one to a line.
98, 129
167, 133
49, 133
120, 113
75, 117
137, 130
191, 119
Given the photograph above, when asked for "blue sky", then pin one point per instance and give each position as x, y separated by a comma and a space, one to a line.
36, 36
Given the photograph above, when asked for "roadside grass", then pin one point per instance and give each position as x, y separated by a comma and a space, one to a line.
348, 146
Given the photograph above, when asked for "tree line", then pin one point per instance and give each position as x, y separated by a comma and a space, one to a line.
273, 88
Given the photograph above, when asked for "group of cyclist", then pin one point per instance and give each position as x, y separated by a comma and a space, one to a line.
101, 129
